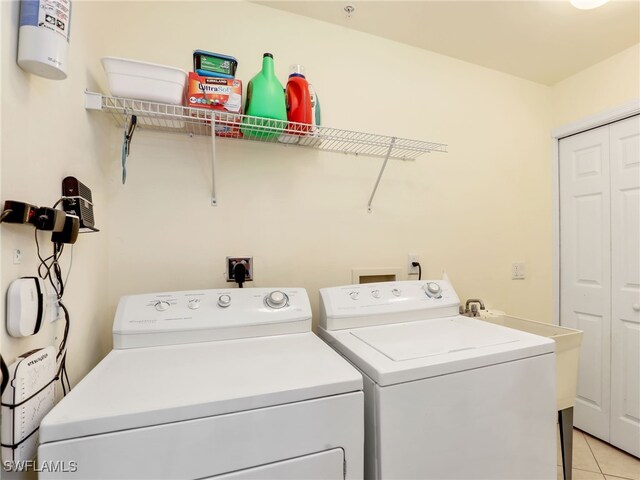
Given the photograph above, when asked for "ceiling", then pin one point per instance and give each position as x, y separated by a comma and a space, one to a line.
544, 41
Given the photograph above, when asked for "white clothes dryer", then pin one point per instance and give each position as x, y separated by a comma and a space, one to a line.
446, 396
224, 384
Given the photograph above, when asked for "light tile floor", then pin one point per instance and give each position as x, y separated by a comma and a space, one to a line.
594, 459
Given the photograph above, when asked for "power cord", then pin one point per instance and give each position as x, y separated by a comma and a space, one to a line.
5, 375
50, 268
417, 264
239, 273
5, 214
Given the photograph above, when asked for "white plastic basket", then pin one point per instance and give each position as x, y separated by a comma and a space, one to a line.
145, 81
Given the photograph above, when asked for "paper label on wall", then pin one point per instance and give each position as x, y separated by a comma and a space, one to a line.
54, 15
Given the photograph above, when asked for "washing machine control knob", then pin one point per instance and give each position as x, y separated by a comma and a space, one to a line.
277, 299
161, 305
224, 300
433, 290
396, 292
354, 295
194, 303
375, 293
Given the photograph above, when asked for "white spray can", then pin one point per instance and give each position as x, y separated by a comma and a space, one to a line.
43, 47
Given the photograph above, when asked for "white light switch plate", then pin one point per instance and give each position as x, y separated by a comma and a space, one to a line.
518, 271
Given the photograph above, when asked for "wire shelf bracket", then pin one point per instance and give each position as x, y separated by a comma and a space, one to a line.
384, 165
219, 124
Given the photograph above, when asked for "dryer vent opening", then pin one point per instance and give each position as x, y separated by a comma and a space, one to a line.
374, 275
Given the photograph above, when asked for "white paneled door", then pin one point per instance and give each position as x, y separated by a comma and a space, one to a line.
585, 272
625, 284
600, 275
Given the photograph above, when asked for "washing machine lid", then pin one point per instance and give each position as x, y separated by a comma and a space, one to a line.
403, 352
142, 387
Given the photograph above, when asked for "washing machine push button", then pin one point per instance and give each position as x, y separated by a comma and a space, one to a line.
277, 299
433, 290
224, 301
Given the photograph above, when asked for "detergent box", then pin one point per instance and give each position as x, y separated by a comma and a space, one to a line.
220, 94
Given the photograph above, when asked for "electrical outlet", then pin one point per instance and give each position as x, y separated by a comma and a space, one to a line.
17, 256
517, 271
412, 257
248, 264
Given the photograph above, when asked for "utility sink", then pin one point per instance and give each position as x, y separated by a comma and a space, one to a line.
568, 343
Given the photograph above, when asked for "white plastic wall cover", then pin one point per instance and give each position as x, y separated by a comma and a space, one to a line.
25, 306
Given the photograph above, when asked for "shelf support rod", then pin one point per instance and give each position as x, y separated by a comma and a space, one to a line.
384, 165
214, 201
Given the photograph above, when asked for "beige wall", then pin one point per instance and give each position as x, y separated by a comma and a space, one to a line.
607, 84
46, 136
300, 213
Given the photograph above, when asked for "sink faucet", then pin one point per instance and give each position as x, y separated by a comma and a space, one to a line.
471, 307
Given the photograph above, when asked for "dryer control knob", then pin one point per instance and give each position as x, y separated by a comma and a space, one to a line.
194, 303
161, 305
433, 290
277, 299
375, 293
396, 292
636, 307
224, 300
354, 295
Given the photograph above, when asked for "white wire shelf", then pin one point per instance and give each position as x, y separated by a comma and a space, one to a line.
197, 121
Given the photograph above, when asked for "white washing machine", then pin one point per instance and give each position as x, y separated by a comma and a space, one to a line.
446, 396
224, 384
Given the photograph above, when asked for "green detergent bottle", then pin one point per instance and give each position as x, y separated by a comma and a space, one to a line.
265, 99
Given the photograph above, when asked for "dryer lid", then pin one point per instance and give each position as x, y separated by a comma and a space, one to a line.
142, 387
413, 340
404, 352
